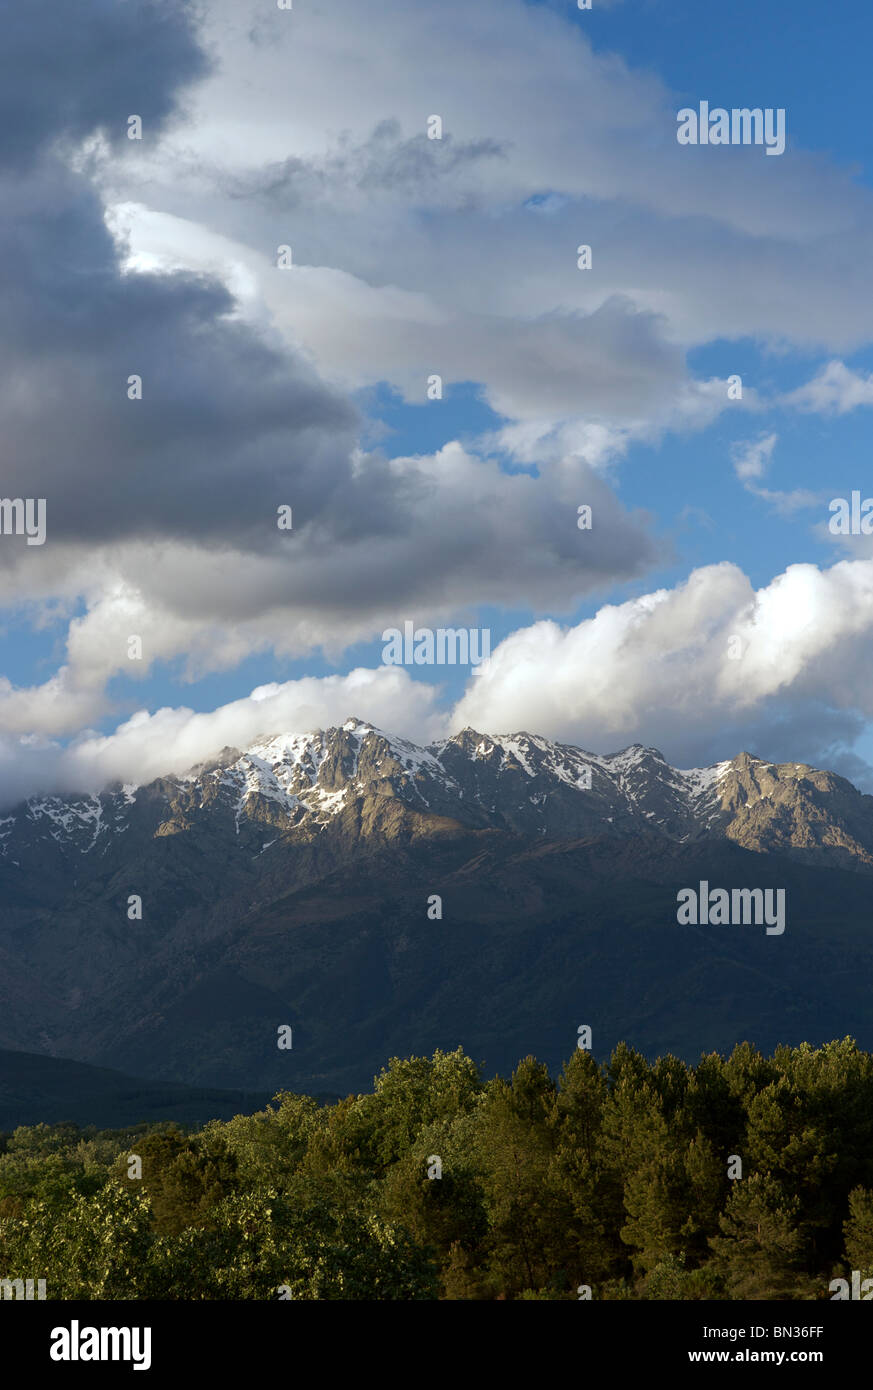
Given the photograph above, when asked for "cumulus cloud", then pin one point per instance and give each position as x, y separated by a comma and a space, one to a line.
87, 67
227, 421
455, 528
702, 670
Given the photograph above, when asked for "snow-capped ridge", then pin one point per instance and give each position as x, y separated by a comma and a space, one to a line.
360, 779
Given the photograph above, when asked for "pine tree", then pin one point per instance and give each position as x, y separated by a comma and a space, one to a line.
760, 1251
858, 1232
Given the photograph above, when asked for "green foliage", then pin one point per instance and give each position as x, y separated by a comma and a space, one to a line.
859, 1232
439, 1185
270, 1146
259, 1246
84, 1247
183, 1178
759, 1251
407, 1095
670, 1280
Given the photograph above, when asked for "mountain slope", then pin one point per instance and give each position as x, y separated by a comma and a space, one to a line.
288, 884
53, 1090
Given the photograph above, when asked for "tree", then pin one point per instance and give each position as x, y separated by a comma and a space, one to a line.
261, 1245
858, 1232
760, 1251
407, 1095
530, 1212
86, 1248
182, 1182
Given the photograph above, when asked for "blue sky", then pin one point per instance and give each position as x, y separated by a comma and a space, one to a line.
807, 57
560, 386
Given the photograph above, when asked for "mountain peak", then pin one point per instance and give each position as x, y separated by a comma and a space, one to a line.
636, 752
351, 724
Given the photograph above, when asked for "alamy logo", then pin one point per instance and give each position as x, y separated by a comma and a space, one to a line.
102, 1344
447, 646
22, 1289
722, 907
739, 126
851, 517
23, 516
859, 1289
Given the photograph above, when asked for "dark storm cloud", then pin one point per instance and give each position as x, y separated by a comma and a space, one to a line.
227, 429
69, 69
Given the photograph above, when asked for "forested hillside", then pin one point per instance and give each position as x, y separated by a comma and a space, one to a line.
749, 1177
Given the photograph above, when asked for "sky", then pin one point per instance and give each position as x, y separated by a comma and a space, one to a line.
708, 608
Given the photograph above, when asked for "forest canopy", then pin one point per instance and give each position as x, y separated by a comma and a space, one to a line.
747, 1177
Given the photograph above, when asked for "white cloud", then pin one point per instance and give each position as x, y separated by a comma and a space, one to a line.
461, 532
751, 459
659, 669
834, 390
701, 671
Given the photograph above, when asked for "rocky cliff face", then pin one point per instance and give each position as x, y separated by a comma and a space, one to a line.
789, 808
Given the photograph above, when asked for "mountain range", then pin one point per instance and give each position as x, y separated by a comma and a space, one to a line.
36, 1089
295, 884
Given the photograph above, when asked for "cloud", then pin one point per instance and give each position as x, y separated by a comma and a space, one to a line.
834, 390
416, 255
607, 361
227, 422
702, 671
162, 512
787, 503
67, 71
454, 529
751, 460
